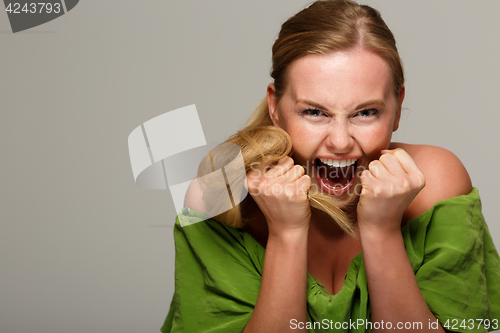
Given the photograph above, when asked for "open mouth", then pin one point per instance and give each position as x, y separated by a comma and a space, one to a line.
336, 176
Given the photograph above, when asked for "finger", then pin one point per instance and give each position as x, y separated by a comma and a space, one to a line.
392, 164
294, 173
378, 170
294, 180
303, 184
406, 161
368, 182
298, 188
364, 177
367, 177
280, 168
376, 187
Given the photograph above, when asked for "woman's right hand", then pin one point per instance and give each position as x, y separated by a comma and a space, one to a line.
281, 194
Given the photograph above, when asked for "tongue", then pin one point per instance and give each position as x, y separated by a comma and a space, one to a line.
335, 177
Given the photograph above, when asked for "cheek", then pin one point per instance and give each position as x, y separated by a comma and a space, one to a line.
375, 140
304, 143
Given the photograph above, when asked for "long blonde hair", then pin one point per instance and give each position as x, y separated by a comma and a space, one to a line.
261, 146
323, 27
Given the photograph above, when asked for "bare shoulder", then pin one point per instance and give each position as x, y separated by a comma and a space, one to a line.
194, 197
445, 176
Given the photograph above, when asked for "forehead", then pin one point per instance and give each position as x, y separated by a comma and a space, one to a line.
340, 79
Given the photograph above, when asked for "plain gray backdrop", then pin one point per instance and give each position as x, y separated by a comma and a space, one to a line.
82, 248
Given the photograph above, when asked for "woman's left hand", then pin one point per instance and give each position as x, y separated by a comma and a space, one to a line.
389, 186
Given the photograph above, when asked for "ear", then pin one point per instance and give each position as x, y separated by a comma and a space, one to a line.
272, 104
399, 107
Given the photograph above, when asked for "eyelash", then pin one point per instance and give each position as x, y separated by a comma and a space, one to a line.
308, 112
373, 112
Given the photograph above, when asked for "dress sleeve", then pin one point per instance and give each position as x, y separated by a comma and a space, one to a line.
456, 264
216, 280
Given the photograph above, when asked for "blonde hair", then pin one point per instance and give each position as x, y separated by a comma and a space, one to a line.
323, 27
328, 26
260, 146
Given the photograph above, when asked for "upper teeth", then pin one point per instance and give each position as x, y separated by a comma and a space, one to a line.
338, 163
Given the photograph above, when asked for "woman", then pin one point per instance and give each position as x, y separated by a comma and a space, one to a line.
421, 257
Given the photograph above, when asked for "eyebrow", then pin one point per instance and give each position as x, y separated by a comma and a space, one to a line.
371, 102
360, 106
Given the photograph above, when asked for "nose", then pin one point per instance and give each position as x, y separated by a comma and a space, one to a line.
339, 139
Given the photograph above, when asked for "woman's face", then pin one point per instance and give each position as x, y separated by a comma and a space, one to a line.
340, 111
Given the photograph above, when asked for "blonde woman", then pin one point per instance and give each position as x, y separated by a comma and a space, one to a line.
410, 249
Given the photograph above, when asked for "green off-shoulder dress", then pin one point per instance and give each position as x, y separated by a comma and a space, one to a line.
218, 271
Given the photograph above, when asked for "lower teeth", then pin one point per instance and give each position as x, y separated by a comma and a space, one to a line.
336, 179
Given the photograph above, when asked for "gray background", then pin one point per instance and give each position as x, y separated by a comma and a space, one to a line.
82, 248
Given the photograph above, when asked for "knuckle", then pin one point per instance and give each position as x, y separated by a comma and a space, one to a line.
280, 169
306, 180
399, 151
276, 189
400, 154
300, 169
421, 180
405, 184
418, 181
374, 165
384, 157
392, 190
286, 160
374, 170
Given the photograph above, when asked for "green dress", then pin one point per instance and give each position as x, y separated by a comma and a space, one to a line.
218, 271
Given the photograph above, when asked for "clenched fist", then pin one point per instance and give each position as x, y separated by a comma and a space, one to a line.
389, 186
281, 194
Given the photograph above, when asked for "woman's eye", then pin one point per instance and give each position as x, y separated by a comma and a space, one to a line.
368, 113
312, 112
